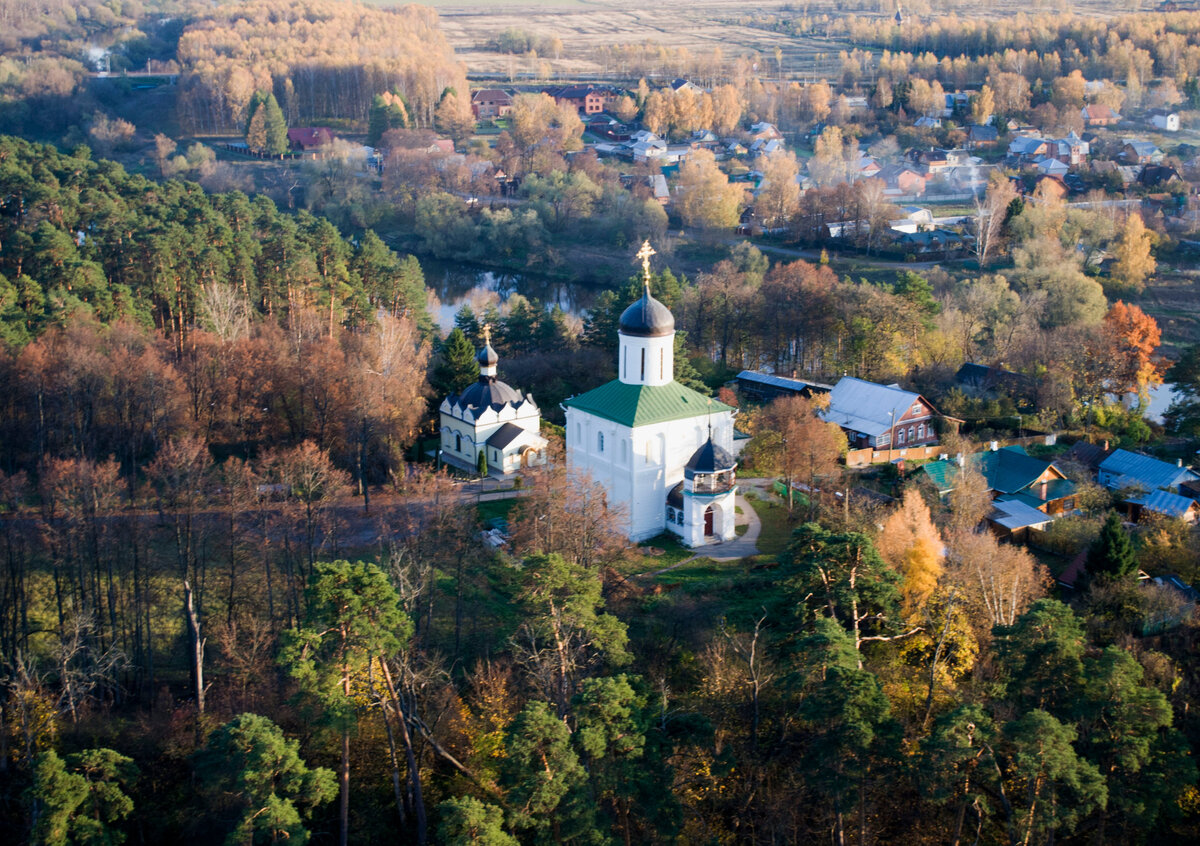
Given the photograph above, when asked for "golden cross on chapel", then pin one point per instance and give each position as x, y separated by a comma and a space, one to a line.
486, 329
644, 254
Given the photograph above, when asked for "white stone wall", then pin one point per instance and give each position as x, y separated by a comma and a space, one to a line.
658, 355
638, 466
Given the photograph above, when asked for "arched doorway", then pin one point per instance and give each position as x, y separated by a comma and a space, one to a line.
528, 457
708, 520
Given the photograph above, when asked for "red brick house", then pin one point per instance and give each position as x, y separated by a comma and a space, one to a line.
588, 99
489, 103
1099, 114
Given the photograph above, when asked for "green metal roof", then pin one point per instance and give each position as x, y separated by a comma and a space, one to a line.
1008, 471
642, 405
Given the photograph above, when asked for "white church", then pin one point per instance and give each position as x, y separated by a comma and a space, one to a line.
492, 418
662, 450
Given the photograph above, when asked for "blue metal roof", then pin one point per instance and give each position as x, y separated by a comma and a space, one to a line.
1165, 502
1130, 469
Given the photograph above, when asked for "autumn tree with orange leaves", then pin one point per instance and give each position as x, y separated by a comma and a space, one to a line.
1130, 340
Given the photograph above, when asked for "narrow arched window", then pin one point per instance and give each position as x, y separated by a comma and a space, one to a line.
643, 364
600, 441
662, 363
457, 442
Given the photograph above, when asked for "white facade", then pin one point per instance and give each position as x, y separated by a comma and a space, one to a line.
639, 466
464, 435
636, 435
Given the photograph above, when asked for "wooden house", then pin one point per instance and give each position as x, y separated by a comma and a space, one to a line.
880, 416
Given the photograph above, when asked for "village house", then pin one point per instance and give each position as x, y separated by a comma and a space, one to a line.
587, 99
765, 387
309, 137
1163, 503
1099, 114
1141, 152
1027, 493
880, 416
1167, 121
902, 180
491, 103
1125, 470
982, 136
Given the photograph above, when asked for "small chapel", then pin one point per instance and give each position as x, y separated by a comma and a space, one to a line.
493, 419
662, 451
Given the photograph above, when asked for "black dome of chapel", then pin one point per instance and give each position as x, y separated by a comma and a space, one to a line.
647, 318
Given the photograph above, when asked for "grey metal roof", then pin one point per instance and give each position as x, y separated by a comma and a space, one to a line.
1165, 502
710, 458
1132, 468
1013, 514
866, 407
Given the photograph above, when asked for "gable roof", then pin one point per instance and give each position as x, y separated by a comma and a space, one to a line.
1099, 111
1130, 469
784, 382
310, 136
491, 95
1165, 502
642, 405
867, 407
1143, 148
1010, 472
1013, 514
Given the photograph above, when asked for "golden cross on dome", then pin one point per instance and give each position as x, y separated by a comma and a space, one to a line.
487, 333
644, 254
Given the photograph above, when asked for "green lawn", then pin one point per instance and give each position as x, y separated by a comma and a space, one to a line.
495, 509
777, 528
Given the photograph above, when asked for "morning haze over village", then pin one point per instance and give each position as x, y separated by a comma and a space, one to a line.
588, 422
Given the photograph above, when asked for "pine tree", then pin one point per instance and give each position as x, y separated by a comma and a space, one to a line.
275, 126
1112, 552
249, 760
456, 367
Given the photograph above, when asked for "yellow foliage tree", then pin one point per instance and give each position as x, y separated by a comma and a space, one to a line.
911, 543
1134, 263
706, 198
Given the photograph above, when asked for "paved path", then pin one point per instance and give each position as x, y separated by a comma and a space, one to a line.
734, 550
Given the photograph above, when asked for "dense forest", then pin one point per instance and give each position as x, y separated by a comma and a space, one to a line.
240, 601
194, 444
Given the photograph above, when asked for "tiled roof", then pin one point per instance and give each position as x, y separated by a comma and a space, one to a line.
642, 405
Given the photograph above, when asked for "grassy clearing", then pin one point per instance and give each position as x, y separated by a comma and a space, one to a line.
495, 509
777, 526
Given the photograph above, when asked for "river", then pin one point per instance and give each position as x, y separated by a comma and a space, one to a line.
458, 284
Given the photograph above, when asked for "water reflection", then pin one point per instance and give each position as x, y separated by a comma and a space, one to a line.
461, 284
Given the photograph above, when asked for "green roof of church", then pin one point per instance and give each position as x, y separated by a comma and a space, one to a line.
642, 405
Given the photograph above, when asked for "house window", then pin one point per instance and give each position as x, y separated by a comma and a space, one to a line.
600, 442
1068, 505
900, 436
670, 514
921, 432
910, 433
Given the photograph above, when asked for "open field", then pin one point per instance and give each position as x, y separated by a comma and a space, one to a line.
700, 26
